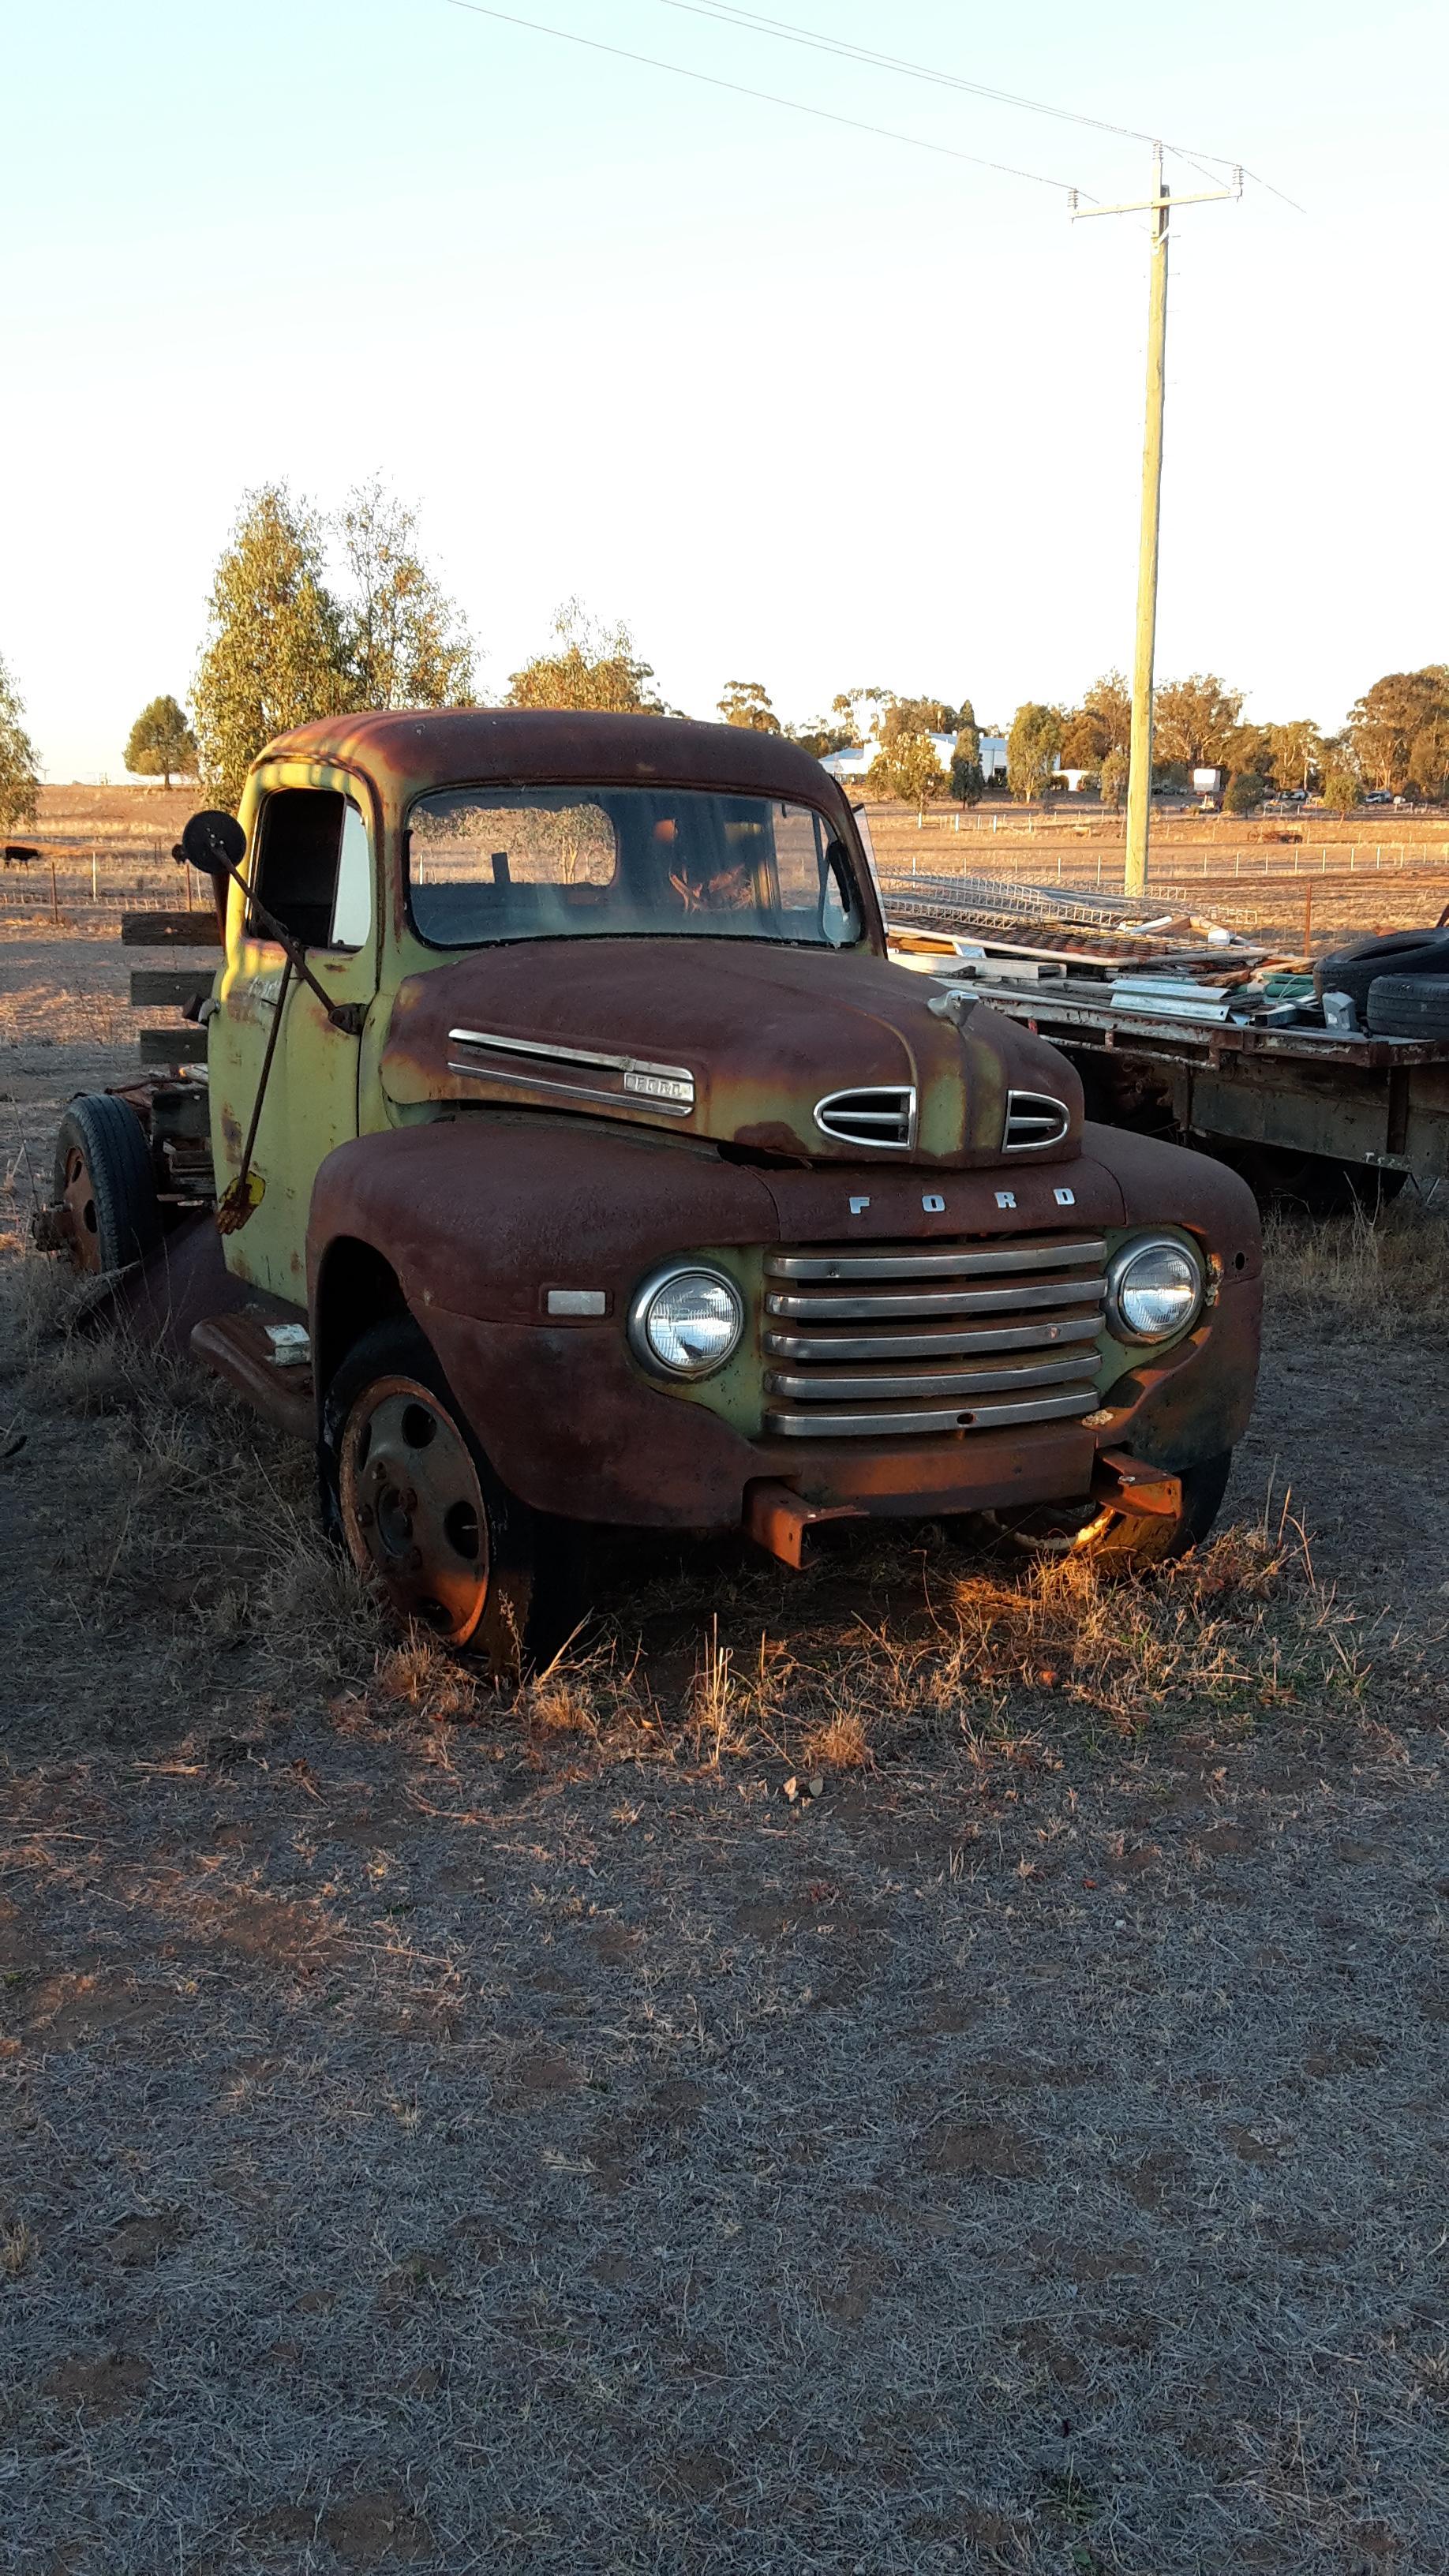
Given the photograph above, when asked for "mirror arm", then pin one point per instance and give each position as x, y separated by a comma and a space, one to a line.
347, 1016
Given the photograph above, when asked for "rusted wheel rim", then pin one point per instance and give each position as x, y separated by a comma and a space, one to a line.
412, 1507
78, 1195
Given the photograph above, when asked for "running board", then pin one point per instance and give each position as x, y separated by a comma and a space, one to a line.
240, 1348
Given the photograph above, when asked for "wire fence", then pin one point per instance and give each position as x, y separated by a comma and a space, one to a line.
142, 876
63, 875
1104, 868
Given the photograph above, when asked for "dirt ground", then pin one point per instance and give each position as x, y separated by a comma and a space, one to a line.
452, 2134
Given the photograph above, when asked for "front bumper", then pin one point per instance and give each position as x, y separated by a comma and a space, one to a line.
575, 1430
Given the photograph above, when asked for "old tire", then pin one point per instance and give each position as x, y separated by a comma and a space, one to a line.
1357, 969
103, 1176
410, 1493
1120, 1542
1409, 1006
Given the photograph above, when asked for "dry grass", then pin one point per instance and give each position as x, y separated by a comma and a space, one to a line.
459, 2130
1376, 1280
887, 1643
962, 1649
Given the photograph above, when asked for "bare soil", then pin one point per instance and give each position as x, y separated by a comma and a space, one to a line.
445, 2132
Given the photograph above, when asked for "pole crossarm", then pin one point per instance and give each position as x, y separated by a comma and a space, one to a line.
1152, 205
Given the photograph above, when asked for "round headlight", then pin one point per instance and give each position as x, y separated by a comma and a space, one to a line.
686, 1322
1154, 1289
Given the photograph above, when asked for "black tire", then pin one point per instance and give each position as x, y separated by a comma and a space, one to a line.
1356, 969
1409, 1006
103, 1175
474, 1566
1120, 1542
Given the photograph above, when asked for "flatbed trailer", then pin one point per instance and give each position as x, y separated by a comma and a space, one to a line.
1268, 1097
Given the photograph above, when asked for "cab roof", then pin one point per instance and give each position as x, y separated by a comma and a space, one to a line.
409, 750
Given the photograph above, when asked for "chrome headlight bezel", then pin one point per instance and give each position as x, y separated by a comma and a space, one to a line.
1124, 1260
642, 1303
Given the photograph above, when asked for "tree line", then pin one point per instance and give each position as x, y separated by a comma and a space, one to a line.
314, 615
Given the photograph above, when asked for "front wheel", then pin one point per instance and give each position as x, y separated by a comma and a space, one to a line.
412, 1496
1118, 1541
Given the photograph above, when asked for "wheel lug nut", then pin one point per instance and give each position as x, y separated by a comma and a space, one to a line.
408, 1500
415, 1560
365, 1516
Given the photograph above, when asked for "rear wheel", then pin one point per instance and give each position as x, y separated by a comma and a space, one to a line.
411, 1494
1116, 1540
104, 1182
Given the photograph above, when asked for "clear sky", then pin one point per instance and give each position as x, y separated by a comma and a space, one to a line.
800, 405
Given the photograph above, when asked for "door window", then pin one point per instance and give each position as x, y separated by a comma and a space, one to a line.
314, 867
352, 902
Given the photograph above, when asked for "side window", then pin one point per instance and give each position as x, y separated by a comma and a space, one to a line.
814, 875
799, 848
313, 866
352, 903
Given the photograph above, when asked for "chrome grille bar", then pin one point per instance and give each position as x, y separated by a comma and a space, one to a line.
936, 1260
927, 1302
869, 1424
834, 1385
1040, 1334
907, 1340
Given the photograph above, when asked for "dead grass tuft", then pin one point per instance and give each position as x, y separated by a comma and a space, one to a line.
17, 2250
1241, 1626
599, 1694
423, 1678
41, 1304
841, 1744
1383, 1279
316, 1621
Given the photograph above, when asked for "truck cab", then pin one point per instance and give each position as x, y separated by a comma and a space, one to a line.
616, 1175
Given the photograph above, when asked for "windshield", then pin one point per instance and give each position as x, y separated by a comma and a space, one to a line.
488, 863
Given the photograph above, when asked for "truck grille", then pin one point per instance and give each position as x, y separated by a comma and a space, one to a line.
882, 1341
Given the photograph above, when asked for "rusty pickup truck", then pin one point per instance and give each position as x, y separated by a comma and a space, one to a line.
578, 1156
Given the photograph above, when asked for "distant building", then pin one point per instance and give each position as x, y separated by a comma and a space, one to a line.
857, 759
853, 762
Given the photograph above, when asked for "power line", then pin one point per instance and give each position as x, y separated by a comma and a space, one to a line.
800, 107
754, 22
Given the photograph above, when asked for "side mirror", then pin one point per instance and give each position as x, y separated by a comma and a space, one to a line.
212, 843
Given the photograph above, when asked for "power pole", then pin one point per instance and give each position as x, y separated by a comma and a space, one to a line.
1139, 775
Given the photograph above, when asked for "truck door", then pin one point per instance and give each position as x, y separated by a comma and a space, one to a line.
312, 860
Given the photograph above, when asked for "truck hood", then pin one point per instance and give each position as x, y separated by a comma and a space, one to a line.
747, 1044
